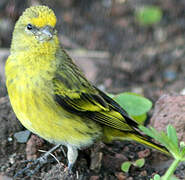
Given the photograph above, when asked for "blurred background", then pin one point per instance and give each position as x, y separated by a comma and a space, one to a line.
121, 45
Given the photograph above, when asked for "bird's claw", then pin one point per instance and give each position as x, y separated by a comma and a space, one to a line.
39, 162
68, 169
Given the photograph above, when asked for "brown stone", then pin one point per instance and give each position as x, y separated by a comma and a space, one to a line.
170, 109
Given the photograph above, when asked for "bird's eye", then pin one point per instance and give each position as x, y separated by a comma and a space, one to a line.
29, 27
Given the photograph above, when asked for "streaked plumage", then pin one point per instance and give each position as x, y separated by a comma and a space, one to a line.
51, 96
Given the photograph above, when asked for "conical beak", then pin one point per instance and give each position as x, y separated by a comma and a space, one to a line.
45, 33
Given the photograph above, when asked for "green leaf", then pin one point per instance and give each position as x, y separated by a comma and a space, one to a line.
163, 139
134, 104
182, 144
172, 135
140, 119
140, 162
148, 15
149, 131
157, 177
126, 166
183, 153
174, 178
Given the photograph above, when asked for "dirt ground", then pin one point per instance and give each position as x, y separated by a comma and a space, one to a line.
116, 54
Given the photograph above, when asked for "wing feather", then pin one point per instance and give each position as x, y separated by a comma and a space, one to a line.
78, 96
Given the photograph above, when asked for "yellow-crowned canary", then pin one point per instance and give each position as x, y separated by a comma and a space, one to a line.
51, 96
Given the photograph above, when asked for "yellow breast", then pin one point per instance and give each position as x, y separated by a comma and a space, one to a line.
31, 96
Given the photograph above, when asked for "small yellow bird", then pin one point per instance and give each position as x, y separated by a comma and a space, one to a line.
51, 96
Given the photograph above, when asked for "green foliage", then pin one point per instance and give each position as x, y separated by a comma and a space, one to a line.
156, 177
137, 107
171, 133
148, 15
138, 163
173, 178
134, 104
140, 119
170, 141
126, 166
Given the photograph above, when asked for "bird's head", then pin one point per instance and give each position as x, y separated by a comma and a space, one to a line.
36, 26
39, 22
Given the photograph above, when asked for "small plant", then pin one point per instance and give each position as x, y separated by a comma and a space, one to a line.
148, 15
170, 141
134, 104
156, 177
138, 163
137, 107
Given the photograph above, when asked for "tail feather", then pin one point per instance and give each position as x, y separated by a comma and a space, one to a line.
146, 141
111, 135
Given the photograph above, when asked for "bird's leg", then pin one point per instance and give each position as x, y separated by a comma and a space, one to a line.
72, 155
39, 162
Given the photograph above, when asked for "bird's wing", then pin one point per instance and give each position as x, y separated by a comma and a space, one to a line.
75, 94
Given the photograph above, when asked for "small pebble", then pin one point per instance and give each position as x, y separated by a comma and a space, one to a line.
170, 75
5, 177
143, 154
10, 139
12, 158
94, 178
120, 176
22, 136
143, 173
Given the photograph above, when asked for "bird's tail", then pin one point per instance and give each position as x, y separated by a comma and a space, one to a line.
111, 135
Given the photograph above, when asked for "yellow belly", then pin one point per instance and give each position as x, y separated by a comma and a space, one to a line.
38, 112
